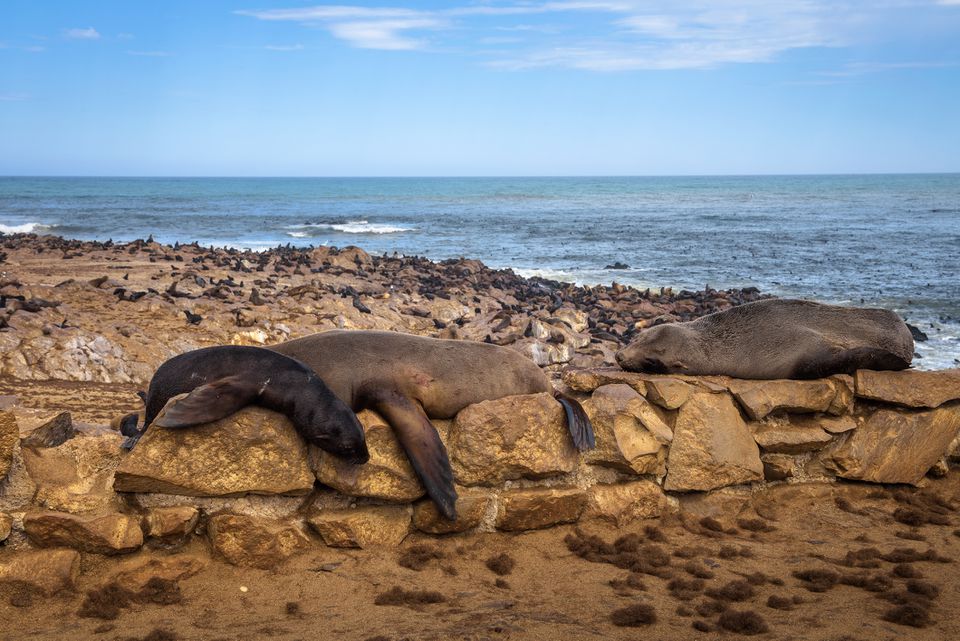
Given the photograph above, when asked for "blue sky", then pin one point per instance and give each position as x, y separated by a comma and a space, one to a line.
516, 87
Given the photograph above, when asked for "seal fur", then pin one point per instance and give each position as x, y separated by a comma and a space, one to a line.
410, 379
776, 338
219, 381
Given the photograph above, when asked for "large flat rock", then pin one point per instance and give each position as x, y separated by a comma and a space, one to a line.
46, 571
255, 451
249, 541
376, 525
760, 398
912, 388
895, 447
712, 446
539, 508
510, 438
622, 503
110, 533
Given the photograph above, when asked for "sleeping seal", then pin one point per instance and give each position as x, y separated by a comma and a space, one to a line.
774, 338
410, 379
222, 380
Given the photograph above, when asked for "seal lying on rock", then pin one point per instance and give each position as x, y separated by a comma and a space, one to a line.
774, 338
222, 380
410, 379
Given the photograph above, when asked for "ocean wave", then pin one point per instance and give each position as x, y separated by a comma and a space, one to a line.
348, 227
25, 228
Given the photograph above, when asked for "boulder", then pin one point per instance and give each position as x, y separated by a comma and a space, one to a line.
249, 541
385, 525
712, 446
783, 436
668, 393
471, 507
630, 435
135, 574
539, 508
388, 474
912, 388
894, 447
9, 435
254, 451
760, 398
510, 438
171, 522
622, 503
111, 533
46, 571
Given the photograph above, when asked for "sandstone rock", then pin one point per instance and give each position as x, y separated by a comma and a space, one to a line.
385, 525
249, 541
17, 489
46, 571
575, 318
136, 573
587, 380
76, 476
777, 467
9, 435
620, 417
539, 508
895, 447
623, 503
760, 398
832, 424
55, 432
510, 438
783, 436
253, 451
272, 507
111, 533
712, 446
843, 402
543, 353
911, 387
668, 393
6, 523
167, 522
388, 474
471, 507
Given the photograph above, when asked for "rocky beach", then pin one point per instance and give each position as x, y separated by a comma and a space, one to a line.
711, 507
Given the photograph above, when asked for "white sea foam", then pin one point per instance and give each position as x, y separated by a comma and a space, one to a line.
348, 227
25, 228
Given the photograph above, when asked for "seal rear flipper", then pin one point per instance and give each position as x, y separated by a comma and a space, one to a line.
210, 402
423, 446
581, 429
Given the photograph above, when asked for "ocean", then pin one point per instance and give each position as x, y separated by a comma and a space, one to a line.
888, 241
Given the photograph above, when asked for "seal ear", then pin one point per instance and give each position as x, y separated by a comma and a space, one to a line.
210, 402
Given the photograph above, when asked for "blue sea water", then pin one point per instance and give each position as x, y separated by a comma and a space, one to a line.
875, 240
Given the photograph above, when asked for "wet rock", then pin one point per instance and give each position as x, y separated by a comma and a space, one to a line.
668, 393
253, 451
46, 571
510, 438
712, 446
894, 447
110, 533
135, 574
171, 522
249, 541
912, 388
539, 508
623, 503
9, 435
388, 474
362, 527
620, 418
471, 506
760, 398
783, 436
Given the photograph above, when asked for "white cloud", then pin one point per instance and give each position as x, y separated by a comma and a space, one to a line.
384, 34
82, 34
150, 54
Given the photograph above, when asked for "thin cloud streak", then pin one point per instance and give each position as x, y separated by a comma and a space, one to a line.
150, 54
82, 34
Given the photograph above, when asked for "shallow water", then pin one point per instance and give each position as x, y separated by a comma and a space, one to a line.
885, 240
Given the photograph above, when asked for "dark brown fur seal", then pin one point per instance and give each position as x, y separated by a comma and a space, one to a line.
222, 380
410, 379
774, 338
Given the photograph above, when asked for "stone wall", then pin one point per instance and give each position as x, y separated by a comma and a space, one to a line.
251, 486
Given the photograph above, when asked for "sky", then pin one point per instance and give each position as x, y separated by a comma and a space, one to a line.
495, 88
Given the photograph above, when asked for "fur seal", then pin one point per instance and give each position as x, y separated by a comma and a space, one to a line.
222, 380
775, 338
409, 379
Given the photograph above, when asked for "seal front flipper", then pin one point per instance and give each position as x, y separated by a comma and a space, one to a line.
210, 402
423, 446
581, 429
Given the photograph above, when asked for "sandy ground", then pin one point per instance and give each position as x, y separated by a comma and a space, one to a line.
551, 593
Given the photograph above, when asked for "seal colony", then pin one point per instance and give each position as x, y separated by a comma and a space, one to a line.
777, 338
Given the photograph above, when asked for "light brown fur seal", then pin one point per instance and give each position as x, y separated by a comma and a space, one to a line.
410, 379
774, 338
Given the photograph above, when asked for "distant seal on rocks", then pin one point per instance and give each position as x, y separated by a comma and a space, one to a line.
222, 380
410, 379
776, 338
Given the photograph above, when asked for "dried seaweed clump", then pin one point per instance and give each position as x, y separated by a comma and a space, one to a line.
732, 591
628, 553
418, 556
634, 616
743, 622
501, 565
817, 580
398, 596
